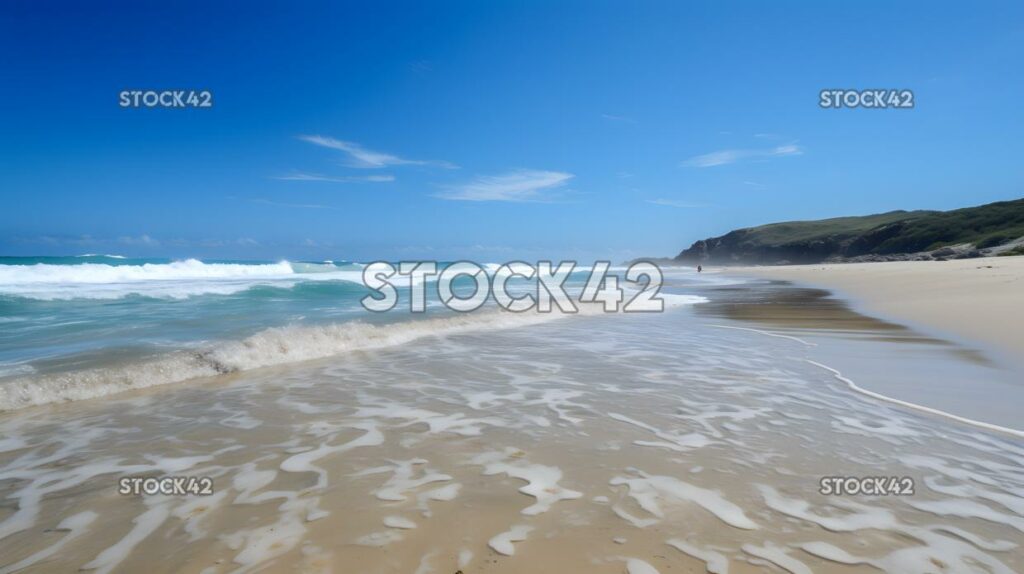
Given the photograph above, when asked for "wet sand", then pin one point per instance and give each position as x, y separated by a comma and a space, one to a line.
955, 377
971, 300
688, 441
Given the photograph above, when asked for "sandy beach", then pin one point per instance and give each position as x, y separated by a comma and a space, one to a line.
969, 300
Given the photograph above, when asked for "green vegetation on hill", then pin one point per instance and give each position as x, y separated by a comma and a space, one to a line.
886, 234
791, 231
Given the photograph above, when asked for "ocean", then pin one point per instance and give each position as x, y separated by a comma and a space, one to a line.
91, 325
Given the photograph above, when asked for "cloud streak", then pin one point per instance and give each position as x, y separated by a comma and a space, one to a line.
620, 119
728, 156
140, 240
361, 157
515, 186
674, 203
342, 179
263, 201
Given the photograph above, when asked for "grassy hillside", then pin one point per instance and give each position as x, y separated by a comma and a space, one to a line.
885, 234
984, 226
791, 231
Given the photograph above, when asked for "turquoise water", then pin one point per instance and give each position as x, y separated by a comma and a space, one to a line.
57, 312
85, 326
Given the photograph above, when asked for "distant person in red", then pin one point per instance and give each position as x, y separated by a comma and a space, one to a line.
699, 269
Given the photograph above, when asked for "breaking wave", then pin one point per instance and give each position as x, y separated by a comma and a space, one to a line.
270, 347
274, 346
176, 280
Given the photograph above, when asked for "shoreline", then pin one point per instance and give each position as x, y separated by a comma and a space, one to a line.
570, 454
877, 358
966, 300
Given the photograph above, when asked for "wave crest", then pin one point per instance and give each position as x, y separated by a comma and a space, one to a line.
274, 346
176, 280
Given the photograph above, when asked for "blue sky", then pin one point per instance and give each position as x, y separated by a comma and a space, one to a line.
490, 130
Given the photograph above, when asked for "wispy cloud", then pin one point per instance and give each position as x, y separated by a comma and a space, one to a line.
137, 242
728, 156
421, 66
675, 203
518, 185
263, 201
140, 240
343, 179
618, 119
364, 158
214, 243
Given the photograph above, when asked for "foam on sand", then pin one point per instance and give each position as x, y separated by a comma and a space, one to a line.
403, 480
542, 480
830, 552
502, 543
144, 525
650, 491
672, 440
968, 509
74, 525
715, 562
934, 548
399, 522
638, 566
778, 556
303, 462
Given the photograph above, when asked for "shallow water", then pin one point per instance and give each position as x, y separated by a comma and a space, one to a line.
595, 443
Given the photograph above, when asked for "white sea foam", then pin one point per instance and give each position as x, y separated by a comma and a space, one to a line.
637, 566
303, 462
270, 347
145, 524
402, 481
968, 509
935, 548
767, 334
680, 300
74, 525
778, 556
502, 543
443, 494
542, 481
830, 552
671, 440
94, 273
650, 491
13, 369
176, 280
379, 539
275, 346
715, 562
399, 522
